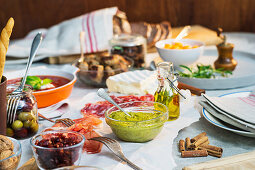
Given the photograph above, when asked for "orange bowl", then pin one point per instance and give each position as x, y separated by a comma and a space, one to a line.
49, 97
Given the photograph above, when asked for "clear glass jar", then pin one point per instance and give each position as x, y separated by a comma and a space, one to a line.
132, 46
25, 123
165, 94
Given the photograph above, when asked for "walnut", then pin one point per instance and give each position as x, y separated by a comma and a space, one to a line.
5, 154
10, 163
6, 150
5, 144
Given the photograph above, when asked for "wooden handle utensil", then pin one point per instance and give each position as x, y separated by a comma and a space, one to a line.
193, 90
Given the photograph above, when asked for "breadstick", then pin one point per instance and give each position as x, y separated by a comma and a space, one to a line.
4, 43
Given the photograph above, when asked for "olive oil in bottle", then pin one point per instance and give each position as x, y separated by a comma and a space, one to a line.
165, 94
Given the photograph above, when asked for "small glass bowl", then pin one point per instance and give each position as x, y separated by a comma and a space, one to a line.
12, 161
138, 131
79, 168
88, 76
50, 158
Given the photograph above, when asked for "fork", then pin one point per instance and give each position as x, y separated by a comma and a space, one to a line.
115, 147
66, 121
15, 96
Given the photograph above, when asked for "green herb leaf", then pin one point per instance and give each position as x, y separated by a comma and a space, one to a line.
186, 67
46, 81
204, 71
36, 82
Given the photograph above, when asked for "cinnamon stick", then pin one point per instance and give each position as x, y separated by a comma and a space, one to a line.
195, 153
199, 141
188, 143
212, 150
205, 143
198, 136
211, 147
181, 146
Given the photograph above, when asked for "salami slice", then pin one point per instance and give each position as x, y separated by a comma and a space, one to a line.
99, 108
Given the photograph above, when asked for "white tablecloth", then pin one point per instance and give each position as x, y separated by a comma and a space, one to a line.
160, 157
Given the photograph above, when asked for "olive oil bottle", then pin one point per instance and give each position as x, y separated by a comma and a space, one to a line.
165, 94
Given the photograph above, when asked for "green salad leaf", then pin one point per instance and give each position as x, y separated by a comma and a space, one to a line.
203, 71
36, 82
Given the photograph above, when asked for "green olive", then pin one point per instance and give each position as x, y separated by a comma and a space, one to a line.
17, 124
23, 116
34, 126
27, 124
9, 132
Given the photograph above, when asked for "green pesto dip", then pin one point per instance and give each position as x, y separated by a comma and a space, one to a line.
140, 127
135, 116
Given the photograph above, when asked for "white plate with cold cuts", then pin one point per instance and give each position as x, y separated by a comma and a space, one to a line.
243, 75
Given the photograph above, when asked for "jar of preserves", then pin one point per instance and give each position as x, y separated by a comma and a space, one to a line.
131, 46
25, 121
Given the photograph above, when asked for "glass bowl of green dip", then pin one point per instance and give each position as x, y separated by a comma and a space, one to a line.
146, 121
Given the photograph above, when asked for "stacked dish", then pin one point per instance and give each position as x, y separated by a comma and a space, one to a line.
235, 119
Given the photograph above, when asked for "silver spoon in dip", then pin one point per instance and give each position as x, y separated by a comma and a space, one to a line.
103, 94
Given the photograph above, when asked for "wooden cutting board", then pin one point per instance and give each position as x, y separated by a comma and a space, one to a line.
244, 161
198, 32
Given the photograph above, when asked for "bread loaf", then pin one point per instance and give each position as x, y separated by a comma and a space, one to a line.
152, 32
155, 35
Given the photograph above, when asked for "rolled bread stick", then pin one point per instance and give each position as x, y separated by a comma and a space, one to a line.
4, 43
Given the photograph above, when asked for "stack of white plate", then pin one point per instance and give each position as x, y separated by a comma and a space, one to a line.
223, 122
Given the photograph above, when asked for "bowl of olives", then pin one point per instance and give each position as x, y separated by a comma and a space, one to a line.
25, 123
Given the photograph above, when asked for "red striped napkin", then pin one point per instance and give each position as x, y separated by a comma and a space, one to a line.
63, 38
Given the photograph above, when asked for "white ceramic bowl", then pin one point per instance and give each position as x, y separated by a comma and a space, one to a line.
180, 56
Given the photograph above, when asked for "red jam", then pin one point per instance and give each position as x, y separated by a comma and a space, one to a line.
55, 158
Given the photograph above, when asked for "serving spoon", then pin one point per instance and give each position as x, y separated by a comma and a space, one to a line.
103, 94
14, 97
35, 45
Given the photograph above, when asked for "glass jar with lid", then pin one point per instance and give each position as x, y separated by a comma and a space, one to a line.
25, 121
131, 46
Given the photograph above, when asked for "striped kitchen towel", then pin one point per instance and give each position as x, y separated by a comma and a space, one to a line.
63, 38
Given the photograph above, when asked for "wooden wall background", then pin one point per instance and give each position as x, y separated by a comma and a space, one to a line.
231, 15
